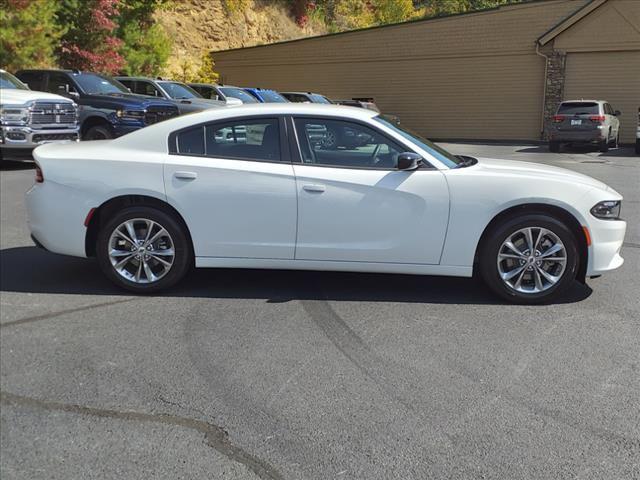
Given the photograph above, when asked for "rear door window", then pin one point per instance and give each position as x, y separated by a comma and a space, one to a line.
35, 80
579, 108
251, 139
191, 142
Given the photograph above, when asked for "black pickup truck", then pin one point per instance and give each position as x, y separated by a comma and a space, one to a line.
107, 108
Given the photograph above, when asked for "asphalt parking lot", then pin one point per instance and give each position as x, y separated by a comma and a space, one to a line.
302, 375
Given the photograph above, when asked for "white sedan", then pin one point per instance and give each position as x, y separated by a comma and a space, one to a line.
260, 186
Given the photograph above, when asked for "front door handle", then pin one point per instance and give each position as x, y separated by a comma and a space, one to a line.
314, 188
186, 175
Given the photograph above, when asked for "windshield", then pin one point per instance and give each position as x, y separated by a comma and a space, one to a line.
579, 108
269, 96
179, 91
439, 153
239, 94
99, 85
315, 98
9, 81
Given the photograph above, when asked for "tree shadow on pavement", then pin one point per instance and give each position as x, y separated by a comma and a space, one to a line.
32, 270
616, 152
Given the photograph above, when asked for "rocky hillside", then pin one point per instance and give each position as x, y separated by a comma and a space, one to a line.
197, 26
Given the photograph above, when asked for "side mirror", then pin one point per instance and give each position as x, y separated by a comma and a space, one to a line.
63, 89
409, 161
617, 113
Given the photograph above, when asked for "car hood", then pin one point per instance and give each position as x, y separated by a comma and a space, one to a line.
537, 171
131, 99
202, 103
12, 96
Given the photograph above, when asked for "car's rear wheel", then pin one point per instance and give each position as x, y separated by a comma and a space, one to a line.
143, 249
529, 259
604, 146
554, 146
99, 132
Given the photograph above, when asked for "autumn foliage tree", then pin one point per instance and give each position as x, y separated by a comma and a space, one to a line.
90, 42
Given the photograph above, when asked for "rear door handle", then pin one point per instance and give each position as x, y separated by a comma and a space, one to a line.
186, 175
314, 188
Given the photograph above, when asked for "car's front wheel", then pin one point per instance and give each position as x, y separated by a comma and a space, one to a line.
529, 259
143, 249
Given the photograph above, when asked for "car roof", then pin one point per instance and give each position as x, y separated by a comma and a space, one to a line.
584, 100
148, 136
305, 93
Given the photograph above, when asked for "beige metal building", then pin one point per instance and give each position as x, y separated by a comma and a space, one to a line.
493, 74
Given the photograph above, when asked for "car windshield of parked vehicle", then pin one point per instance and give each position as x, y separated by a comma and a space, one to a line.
9, 81
269, 96
179, 91
318, 98
93, 84
239, 94
439, 153
579, 108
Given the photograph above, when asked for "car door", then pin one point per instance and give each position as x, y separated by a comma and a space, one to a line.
355, 205
234, 184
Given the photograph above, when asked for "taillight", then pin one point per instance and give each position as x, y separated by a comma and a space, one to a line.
39, 176
558, 118
597, 118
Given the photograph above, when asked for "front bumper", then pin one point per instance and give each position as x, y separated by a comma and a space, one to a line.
607, 237
16, 140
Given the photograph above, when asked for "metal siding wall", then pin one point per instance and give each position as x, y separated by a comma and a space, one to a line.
454, 77
611, 76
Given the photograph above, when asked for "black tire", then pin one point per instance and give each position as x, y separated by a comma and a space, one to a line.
183, 254
614, 142
554, 146
638, 147
488, 261
604, 146
98, 132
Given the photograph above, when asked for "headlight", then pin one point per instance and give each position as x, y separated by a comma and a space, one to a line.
131, 114
14, 115
607, 210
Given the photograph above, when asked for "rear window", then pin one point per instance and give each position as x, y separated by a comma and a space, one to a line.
579, 108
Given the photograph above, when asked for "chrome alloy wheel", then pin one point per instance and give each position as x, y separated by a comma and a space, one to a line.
141, 250
532, 260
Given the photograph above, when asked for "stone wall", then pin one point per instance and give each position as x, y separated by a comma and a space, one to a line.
554, 88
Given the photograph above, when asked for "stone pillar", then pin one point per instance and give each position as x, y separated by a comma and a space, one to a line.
554, 88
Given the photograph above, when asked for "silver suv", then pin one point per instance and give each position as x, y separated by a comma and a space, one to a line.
586, 122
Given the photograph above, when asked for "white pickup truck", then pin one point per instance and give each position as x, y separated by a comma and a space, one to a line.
29, 118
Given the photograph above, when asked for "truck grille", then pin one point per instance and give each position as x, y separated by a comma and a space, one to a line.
158, 114
53, 113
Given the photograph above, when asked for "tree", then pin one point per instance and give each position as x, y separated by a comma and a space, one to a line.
206, 73
90, 42
29, 33
146, 46
447, 7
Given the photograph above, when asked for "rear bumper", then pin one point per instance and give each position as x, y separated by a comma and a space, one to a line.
607, 237
586, 136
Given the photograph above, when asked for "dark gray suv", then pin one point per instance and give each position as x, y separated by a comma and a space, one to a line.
590, 122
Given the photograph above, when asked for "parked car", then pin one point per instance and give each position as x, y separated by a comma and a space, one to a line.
580, 122
181, 95
398, 205
107, 108
226, 93
367, 103
29, 118
264, 95
305, 97
638, 134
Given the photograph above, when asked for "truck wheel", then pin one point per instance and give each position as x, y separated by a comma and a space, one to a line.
98, 132
638, 147
554, 146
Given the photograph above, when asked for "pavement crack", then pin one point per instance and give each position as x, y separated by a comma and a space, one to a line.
215, 437
47, 316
